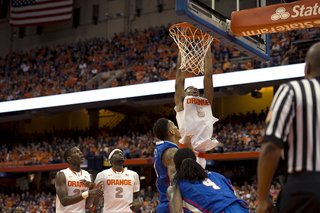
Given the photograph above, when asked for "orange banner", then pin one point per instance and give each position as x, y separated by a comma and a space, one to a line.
276, 18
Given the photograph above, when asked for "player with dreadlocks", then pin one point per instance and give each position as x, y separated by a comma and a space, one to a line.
198, 190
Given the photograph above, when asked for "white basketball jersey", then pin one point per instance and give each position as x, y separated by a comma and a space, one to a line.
118, 189
197, 119
74, 187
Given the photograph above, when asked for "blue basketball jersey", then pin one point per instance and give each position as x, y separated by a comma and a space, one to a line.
214, 194
163, 181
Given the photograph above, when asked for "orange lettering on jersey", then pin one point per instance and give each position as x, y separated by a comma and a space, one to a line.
75, 184
197, 101
118, 182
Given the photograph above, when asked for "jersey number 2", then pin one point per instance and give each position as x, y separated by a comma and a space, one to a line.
208, 182
119, 191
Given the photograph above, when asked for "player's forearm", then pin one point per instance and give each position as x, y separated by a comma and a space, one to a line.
90, 201
180, 78
70, 200
175, 199
268, 161
208, 87
207, 80
189, 146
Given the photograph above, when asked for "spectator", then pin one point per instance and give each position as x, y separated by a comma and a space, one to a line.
149, 192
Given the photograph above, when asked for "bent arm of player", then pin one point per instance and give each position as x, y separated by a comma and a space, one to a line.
137, 202
167, 160
267, 164
207, 80
175, 198
96, 191
62, 191
179, 87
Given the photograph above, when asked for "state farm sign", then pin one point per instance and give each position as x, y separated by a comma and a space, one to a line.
276, 18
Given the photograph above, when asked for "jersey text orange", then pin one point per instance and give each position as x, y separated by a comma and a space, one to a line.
75, 184
197, 101
118, 182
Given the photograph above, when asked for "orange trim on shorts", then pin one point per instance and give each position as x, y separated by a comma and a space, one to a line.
198, 154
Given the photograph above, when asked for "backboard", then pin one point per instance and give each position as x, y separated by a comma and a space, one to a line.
213, 17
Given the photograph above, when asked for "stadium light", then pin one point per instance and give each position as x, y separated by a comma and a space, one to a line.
154, 88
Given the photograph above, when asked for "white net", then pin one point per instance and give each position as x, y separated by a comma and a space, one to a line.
193, 45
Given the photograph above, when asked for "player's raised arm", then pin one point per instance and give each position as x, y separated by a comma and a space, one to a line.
175, 198
62, 191
207, 82
167, 160
179, 87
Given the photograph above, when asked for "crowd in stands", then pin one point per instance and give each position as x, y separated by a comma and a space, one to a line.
146, 56
27, 202
15, 200
236, 133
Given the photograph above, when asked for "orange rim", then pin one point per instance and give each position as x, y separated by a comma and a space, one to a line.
186, 24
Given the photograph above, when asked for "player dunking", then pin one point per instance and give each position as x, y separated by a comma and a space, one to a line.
72, 185
194, 113
121, 186
168, 133
200, 191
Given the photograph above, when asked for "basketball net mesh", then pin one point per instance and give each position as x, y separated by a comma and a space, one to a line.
193, 45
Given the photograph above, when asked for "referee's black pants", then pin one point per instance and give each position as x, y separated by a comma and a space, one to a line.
301, 193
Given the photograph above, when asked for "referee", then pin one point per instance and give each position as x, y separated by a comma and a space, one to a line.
293, 124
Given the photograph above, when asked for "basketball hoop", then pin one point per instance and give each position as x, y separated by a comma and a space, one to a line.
193, 45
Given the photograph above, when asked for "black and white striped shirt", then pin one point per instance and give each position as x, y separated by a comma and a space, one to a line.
293, 122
